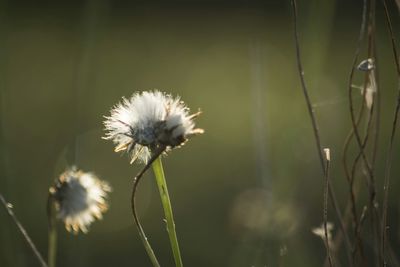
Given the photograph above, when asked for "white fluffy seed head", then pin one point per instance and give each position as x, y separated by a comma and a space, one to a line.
80, 199
147, 121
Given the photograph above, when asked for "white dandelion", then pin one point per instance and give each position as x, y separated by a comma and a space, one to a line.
80, 199
148, 121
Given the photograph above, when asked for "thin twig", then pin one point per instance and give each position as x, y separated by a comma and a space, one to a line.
52, 231
374, 211
142, 234
351, 206
314, 124
357, 228
392, 135
370, 184
326, 189
371, 77
362, 218
354, 122
349, 177
350, 94
23, 231
351, 106
310, 109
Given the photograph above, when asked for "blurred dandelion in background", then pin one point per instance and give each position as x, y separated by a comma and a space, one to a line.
80, 199
256, 211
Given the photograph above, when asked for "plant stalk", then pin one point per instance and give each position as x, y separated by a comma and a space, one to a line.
142, 234
52, 233
162, 187
10, 212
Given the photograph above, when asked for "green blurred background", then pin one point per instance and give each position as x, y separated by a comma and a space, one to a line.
248, 191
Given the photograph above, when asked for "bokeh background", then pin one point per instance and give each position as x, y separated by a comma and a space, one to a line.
248, 191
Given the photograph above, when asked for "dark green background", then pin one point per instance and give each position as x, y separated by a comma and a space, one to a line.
247, 192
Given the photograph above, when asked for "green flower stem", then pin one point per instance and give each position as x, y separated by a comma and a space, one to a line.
147, 246
142, 234
52, 235
162, 187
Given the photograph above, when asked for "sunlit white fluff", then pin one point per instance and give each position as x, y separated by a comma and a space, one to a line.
80, 199
147, 121
320, 231
371, 89
368, 65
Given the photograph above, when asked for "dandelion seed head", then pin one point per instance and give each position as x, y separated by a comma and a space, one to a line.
80, 199
147, 121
